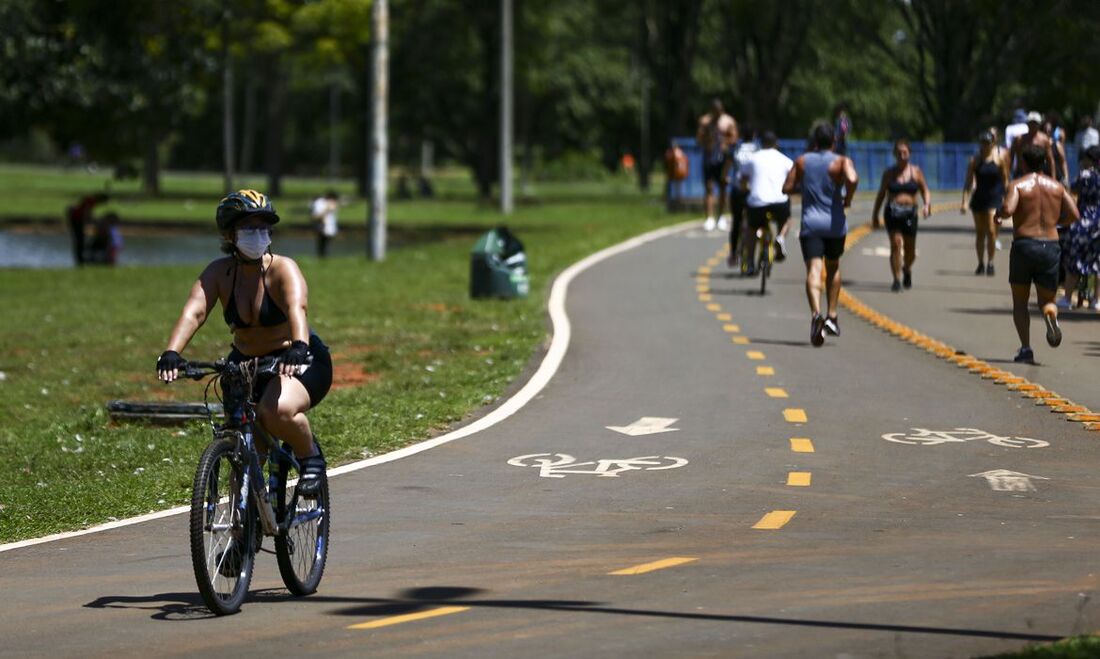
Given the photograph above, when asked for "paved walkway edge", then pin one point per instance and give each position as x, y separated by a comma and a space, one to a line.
559, 344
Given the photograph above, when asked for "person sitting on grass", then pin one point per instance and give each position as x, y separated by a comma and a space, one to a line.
264, 300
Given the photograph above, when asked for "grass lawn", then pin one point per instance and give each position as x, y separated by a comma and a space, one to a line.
413, 354
1076, 647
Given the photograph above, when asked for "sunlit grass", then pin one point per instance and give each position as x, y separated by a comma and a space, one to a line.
420, 354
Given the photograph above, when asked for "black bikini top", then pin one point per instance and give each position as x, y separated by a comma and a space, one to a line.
270, 314
908, 187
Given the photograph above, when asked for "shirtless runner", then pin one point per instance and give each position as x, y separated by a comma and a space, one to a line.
716, 134
1037, 204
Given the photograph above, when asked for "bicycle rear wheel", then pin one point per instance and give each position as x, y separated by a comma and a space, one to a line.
221, 536
765, 262
303, 549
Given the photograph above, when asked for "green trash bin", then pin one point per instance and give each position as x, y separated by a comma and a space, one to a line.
498, 266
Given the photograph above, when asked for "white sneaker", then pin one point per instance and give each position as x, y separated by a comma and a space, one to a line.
723, 222
997, 244
708, 225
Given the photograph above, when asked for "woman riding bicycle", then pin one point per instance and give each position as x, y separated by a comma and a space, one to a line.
264, 301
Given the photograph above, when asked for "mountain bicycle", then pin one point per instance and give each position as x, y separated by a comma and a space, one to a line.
234, 504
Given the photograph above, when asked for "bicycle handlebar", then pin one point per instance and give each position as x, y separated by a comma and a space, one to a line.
196, 370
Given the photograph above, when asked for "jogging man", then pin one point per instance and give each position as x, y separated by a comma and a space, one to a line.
717, 132
763, 175
828, 183
1037, 204
1033, 136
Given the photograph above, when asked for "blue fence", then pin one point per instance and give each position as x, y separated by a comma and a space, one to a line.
944, 164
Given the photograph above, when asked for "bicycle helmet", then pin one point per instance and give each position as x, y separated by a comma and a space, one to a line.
241, 204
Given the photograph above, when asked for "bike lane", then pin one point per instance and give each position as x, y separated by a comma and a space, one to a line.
890, 547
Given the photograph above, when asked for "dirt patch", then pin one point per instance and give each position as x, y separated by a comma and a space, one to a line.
347, 375
438, 307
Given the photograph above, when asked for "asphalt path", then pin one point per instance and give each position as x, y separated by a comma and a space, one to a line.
772, 516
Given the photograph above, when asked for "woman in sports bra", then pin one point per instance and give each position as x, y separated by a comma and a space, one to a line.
899, 188
986, 181
264, 300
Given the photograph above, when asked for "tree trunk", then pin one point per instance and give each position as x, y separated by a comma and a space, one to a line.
248, 124
151, 168
276, 117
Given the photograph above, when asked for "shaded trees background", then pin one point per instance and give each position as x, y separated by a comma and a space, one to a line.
139, 83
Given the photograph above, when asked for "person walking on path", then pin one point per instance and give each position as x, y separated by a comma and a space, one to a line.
1053, 128
1017, 128
1037, 204
323, 212
1086, 135
986, 180
828, 183
716, 134
1037, 137
1084, 235
842, 126
899, 187
744, 150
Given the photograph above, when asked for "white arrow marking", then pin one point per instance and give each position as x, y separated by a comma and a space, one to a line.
647, 425
1003, 480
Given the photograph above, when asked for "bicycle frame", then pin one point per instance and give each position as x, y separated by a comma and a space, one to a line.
241, 427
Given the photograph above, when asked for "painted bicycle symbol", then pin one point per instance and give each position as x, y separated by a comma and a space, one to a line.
926, 437
557, 465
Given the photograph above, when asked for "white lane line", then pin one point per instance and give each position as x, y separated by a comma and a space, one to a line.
549, 366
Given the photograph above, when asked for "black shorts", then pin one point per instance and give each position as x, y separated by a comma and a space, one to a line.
779, 214
317, 378
901, 219
1033, 260
714, 168
816, 247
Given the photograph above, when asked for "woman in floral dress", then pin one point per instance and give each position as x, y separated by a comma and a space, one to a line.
1083, 258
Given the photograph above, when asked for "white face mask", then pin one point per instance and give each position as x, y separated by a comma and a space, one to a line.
252, 243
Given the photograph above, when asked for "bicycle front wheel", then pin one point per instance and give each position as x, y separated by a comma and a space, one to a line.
303, 547
221, 530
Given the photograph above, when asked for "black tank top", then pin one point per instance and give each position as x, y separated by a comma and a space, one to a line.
987, 177
270, 314
908, 187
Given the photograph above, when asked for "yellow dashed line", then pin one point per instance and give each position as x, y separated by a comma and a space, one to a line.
704, 270
765, 370
731, 328
799, 479
714, 306
795, 415
776, 519
655, 565
705, 297
948, 353
410, 617
801, 445
755, 355
740, 340
776, 392
724, 317
702, 289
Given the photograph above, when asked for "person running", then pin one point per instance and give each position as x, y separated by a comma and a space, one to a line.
1036, 136
264, 300
828, 183
899, 187
763, 175
986, 180
717, 132
1037, 204
1083, 237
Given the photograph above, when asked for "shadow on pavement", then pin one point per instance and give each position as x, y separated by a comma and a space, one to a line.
188, 606
423, 599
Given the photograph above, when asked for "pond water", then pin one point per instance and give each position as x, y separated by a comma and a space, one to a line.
53, 249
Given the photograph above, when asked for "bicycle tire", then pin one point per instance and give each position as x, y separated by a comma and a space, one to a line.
209, 554
765, 261
302, 571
